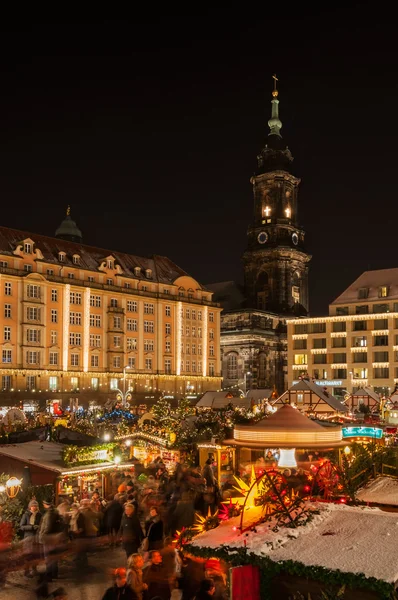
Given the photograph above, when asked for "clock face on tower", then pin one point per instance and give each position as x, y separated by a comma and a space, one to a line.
295, 238
262, 237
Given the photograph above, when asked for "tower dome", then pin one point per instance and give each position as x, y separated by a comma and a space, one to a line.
68, 230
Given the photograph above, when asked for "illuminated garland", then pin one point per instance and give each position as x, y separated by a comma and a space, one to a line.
75, 455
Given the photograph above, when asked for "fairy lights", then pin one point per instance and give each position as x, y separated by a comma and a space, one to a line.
86, 328
178, 337
65, 327
331, 319
204, 350
278, 438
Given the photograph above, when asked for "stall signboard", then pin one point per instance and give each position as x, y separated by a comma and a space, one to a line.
372, 432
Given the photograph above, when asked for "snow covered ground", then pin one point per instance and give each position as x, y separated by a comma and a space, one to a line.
383, 490
351, 539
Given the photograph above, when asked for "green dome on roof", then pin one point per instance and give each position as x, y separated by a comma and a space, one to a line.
68, 230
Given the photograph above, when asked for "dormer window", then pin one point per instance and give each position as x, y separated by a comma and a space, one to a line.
109, 264
61, 256
383, 291
76, 259
363, 293
148, 273
27, 248
137, 271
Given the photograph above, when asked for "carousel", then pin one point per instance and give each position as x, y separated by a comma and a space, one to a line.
285, 439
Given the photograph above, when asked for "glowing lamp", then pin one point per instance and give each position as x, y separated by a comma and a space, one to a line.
347, 450
287, 458
128, 442
2, 488
107, 437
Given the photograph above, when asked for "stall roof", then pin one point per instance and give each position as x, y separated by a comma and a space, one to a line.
47, 455
363, 392
383, 490
219, 400
259, 394
358, 540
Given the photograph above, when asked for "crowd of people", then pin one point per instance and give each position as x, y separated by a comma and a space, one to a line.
142, 515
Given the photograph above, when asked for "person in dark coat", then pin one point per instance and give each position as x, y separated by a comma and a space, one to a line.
154, 530
29, 524
121, 590
130, 530
184, 513
206, 590
50, 536
156, 578
113, 517
208, 473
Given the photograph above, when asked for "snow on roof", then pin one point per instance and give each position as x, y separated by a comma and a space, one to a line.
366, 392
344, 538
373, 281
219, 400
259, 394
305, 384
47, 455
383, 490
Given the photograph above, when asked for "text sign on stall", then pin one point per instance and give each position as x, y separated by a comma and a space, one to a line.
373, 432
245, 583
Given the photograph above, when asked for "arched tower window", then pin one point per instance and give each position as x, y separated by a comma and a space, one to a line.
262, 290
296, 287
232, 366
262, 370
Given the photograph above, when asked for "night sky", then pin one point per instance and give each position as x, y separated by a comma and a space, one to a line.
150, 130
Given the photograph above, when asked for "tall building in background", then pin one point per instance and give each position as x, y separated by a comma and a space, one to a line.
253, 324
357, 344
84, 322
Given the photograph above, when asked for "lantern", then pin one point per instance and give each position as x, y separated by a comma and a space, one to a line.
287, 458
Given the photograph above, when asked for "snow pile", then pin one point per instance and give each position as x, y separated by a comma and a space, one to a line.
349, 539
383, 490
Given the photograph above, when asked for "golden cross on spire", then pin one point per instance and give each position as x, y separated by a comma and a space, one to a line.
68, 211
275, 91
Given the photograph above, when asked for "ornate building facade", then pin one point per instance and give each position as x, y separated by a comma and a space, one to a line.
76, 320
253, 326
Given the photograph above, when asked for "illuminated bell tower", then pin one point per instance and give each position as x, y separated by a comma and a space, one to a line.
275, 262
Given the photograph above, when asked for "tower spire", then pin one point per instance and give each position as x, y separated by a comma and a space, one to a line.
68, 211
275, 124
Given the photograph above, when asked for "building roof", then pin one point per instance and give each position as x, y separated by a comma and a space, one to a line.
372, 281
47, 455
365, 391
219, 400
259, 394
306, 385
68, 230
91, 257
228, 293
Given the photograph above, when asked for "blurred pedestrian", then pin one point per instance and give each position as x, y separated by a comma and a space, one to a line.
207, 590
113, 518
120, 590
29, 524
156, 578
130, 530
51, 531
154, 529
135, 563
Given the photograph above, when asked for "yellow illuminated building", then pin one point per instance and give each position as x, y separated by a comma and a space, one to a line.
357, 344
82, 322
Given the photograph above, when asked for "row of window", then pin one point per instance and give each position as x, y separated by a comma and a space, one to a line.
341, 326
341, 357
341, 342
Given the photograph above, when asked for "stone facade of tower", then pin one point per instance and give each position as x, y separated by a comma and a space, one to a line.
253, 324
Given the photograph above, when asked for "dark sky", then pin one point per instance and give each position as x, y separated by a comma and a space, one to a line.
150, 130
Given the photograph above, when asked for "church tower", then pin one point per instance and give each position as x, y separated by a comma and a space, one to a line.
275, 262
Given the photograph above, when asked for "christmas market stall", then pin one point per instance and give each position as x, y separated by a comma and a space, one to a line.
223, 457
74, 471
146, 447
285, 439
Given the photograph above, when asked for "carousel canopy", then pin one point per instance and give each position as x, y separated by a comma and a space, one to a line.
287, 428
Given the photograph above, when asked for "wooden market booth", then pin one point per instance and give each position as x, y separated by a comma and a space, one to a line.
223, 456
41, 463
